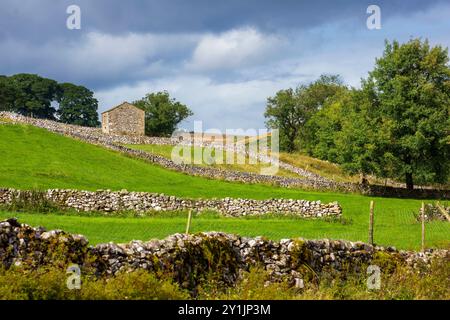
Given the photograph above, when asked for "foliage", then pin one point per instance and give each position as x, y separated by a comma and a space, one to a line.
321, 129
399, 283
8, 94
409, 96
359, 142
253, 286
162, 113
289, 110
35, 95
77, 105
49, 283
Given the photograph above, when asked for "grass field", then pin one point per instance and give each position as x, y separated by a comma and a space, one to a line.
400, 230
34, 158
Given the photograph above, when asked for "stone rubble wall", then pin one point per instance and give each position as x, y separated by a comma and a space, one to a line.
141, 202
189, 257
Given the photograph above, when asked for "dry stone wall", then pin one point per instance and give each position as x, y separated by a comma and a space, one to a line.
190, 257
141, 202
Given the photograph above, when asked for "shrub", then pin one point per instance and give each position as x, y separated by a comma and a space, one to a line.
402, 284
50, 284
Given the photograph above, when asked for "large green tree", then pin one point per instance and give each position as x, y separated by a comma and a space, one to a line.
289, 110
322, 128
8, 94
358, 142
77, 105
401, 123
162, 113
344, 131
36, 95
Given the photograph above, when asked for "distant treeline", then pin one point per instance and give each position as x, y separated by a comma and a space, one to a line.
32, 95
397, 125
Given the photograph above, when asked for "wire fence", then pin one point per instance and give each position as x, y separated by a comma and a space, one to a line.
392, 226
406, 227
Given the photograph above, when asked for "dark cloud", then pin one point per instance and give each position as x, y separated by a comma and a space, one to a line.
40, 20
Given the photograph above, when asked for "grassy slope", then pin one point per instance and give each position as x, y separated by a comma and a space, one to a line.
166, 151
34, 158
323, 168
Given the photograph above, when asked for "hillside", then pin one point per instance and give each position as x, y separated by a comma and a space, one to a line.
35, 158
322, 168
166, 151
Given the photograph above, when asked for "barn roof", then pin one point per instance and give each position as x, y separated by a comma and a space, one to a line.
120, 105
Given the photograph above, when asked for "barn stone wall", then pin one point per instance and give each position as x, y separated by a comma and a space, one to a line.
125, 119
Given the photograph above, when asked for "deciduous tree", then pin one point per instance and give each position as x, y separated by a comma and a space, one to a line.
77, 105
162, 113
289, 110
409, 96
36, 95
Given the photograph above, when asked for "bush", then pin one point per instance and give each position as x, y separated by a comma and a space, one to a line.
254, 285
50, 284
402, 284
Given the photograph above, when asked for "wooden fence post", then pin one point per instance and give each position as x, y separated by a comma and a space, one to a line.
188, 226
423, 226
371, 223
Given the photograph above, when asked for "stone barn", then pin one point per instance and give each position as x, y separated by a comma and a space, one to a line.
124, 119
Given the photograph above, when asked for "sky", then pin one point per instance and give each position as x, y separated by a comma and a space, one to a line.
223, 59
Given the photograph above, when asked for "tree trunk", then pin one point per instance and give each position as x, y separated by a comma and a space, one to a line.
409, 181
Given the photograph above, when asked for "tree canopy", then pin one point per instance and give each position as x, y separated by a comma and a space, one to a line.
162, 113
289, 110
8, 94
33, 95
409, 96
77, 105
